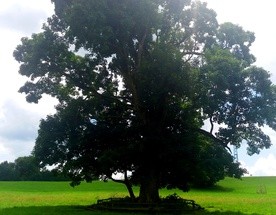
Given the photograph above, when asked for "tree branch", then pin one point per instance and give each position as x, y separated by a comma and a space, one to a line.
212, 125
192, 53
95, 92
140, 51
211, 136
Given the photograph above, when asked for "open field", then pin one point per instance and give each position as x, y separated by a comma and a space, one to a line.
252, 195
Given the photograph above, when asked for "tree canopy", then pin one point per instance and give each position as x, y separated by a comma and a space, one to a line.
136, 81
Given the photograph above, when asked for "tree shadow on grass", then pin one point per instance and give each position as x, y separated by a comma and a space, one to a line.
215, 188
47, 210
84, 210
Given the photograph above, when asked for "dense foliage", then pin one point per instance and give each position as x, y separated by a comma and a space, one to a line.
136, 81
27, 169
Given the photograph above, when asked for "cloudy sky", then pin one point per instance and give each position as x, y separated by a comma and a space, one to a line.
19, 120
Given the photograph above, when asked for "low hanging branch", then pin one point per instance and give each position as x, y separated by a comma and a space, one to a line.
127, 183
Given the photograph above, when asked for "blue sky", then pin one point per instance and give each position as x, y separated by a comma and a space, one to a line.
19, 120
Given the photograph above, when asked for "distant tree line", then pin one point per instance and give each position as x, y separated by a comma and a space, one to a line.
27, 169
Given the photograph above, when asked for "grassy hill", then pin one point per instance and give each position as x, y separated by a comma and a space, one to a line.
251, 195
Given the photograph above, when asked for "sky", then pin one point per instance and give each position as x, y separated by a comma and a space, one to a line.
19, 120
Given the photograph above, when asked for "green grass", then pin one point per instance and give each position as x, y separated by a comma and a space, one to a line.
25, 194
246, 196
231, 196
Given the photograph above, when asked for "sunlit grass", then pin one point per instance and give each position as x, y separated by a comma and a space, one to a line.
249, 195
252, 195
21, 194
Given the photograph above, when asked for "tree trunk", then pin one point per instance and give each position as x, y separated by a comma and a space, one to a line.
149, 189
129, 186
130, 191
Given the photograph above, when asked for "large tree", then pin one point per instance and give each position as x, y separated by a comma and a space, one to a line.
135, 81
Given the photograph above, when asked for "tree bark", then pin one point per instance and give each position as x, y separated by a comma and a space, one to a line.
130, 191
129, 186
149, 188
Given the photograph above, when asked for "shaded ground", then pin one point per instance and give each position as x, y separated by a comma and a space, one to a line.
82, 210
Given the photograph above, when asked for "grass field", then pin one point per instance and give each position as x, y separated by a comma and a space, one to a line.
252, 195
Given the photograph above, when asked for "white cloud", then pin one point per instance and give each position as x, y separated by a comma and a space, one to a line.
19, 120
5, 153
264, 166
19, 123
24, 16
11, 149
